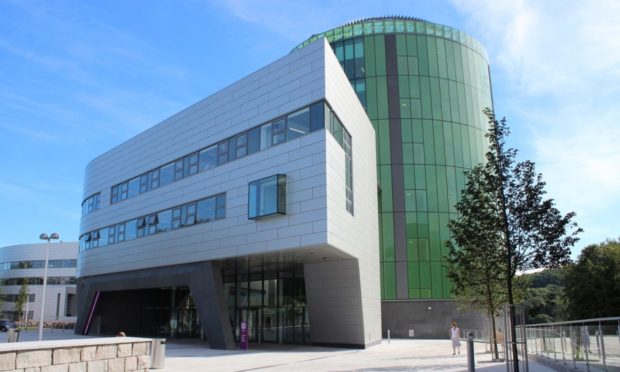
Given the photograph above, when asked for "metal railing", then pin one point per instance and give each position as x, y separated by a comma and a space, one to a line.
588, 345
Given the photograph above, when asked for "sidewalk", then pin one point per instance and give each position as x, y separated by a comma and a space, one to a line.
398, 355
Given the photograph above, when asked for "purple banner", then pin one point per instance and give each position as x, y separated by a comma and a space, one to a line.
243, 336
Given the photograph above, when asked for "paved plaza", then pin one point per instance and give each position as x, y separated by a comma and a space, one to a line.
397, 355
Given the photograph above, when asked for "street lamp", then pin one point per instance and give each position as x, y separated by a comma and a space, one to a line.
44, 236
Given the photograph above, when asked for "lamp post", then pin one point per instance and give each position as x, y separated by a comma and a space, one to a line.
44, 236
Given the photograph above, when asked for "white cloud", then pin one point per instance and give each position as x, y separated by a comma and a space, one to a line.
556, 70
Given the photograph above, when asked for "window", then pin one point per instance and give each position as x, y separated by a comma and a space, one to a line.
265, 136
144, 183
222, 153
201, 211
254, 140
191, 164
90, 204
220, 206
176, 218
178, 169
298, 123
278, 131
131, 229
164, 220
114, 195
317, 116
152, 222
343, 137
241, 146
122, 193
154, 177
188, 214
348, 170
120, 229
267, 196
166, 174
141, 226
206, 210
103, 237
208, 158
133, 187
112, 234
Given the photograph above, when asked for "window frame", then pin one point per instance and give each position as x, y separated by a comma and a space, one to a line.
280, 197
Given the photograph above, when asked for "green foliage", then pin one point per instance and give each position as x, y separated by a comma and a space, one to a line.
546, 277
534, 233
22, 297
475, 264
545, 304
593, 282
505, 223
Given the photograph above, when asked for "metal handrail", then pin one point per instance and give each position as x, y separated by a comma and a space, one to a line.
593, 343
593, 320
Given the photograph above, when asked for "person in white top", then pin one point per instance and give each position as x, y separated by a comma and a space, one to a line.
455, 334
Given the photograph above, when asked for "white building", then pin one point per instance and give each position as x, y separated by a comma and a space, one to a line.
256, 204
26, 262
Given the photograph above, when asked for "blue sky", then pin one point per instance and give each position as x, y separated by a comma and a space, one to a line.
79, 77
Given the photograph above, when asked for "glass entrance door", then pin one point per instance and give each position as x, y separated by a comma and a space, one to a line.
273, 303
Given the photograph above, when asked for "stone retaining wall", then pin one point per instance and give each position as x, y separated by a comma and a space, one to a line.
114, 354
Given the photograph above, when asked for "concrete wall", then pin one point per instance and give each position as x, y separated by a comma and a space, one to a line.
428, 319
105, 354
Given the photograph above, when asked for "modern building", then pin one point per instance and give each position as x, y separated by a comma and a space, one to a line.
310, 199
257, 204
424, 87
24, 266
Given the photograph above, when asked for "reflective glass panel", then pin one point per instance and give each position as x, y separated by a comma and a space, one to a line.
206, 210
164, 222
208, 158
278, 131
265, 136
166, 174
298, 123
263, 197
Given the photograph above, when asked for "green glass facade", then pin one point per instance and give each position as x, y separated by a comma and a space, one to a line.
424, 87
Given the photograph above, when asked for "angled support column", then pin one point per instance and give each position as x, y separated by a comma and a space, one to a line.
207, 288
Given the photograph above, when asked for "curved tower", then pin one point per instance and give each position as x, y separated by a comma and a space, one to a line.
424, 87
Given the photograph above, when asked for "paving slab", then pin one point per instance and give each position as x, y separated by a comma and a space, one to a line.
397, 355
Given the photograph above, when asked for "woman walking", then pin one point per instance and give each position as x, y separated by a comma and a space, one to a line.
455, 334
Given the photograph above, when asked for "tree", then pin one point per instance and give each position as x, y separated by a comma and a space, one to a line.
593, 282
474, 263
529, 232
543, 295
22, 298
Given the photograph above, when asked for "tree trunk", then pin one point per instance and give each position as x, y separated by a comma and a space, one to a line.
513, 334
491, 313
493, 338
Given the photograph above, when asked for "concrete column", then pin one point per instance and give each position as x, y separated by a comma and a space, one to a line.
334, 300
207, 288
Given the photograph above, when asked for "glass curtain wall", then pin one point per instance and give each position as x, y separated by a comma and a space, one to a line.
271, 298
424, 87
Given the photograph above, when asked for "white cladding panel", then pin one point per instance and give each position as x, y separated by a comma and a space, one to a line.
279, 88
358, 235
294, 81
